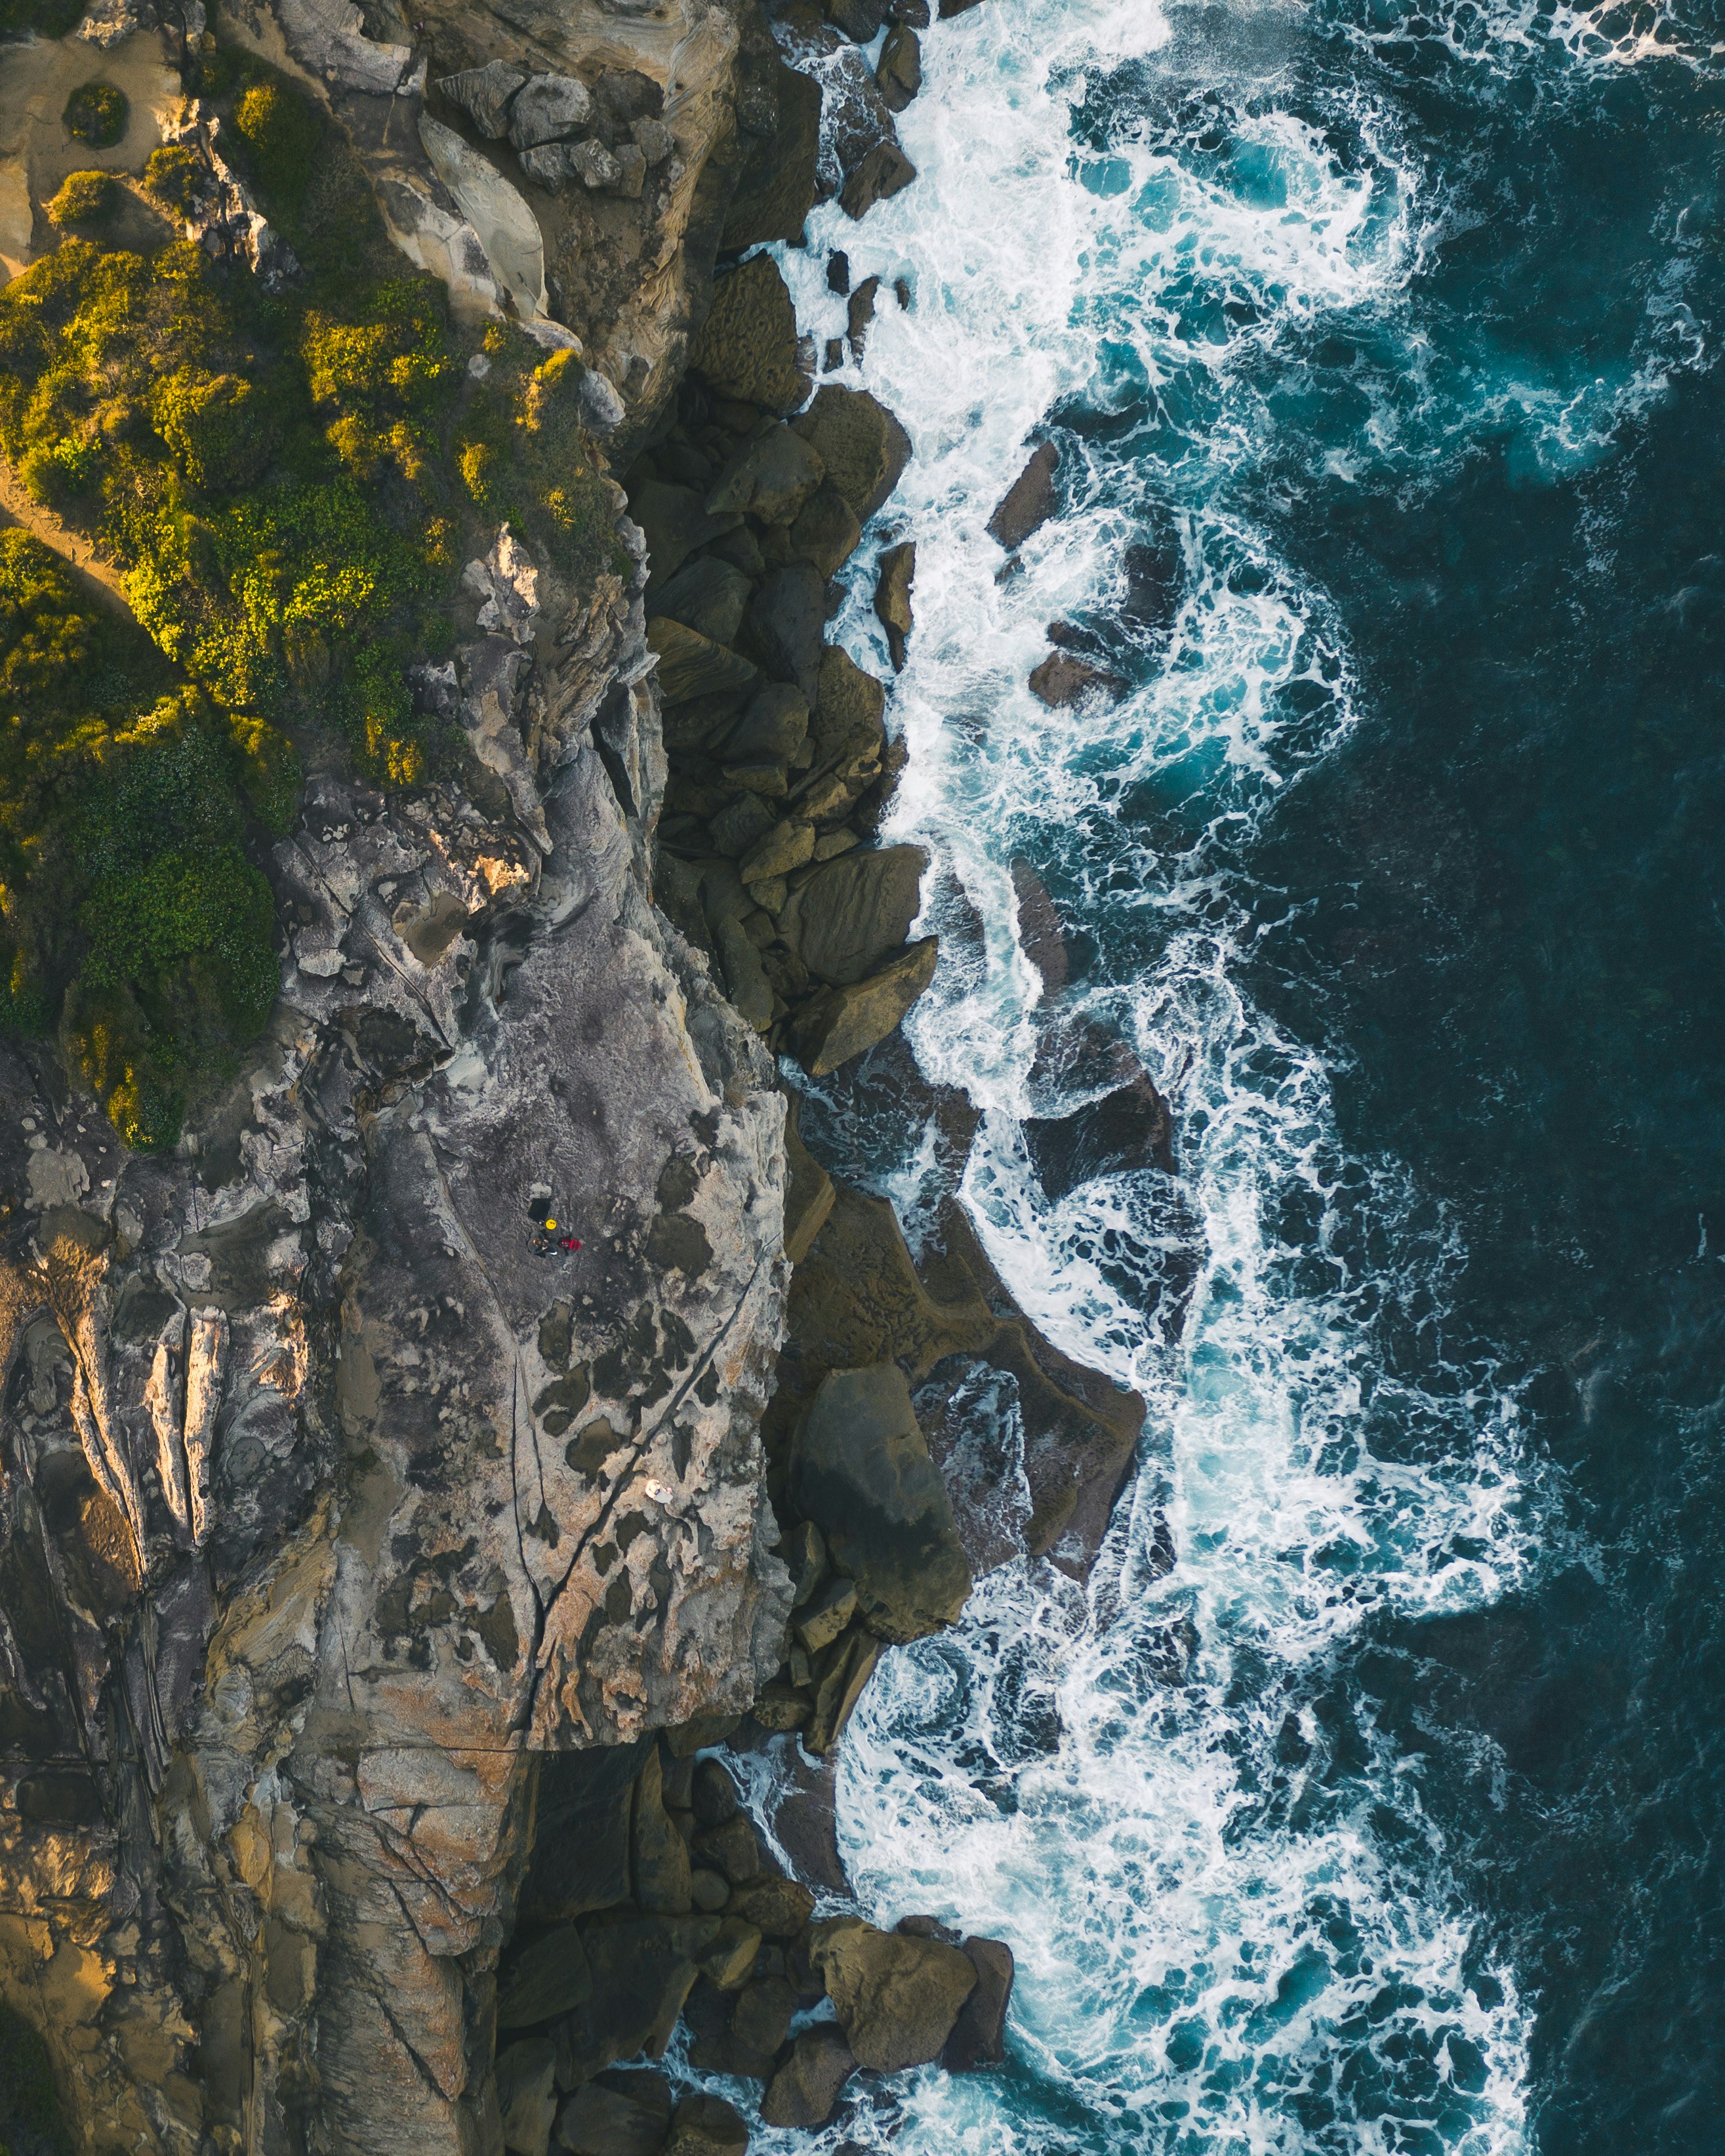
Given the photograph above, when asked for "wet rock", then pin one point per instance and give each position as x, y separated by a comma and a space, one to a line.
978, 2037
1028, 502
747, 347
761, 2017
862, 445
853, 912
839, 273
771, 478
882, 173
785, 625
826, 1614
838, 1023
714, 1793
926, 1928
899, 69
706, 2125
777, 1908
893, 580
706, 595
806, 1825
860, 1470
859, 314
545, 1979
731, 1959
778, 184
661, 1855
1042, 933
1063, 680
896, 1998
826, 533
641, 1977
548, 108
805, 2090
675, 520
857, 1298
849, 723
691, 664
951, 8
485, 94
527, 2095
1127, 1128
859, 20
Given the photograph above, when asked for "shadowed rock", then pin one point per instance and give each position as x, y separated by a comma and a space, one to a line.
892, 598
805, 2090
979, 2034
861, 444
896, 1998
747, 348
1128, 1128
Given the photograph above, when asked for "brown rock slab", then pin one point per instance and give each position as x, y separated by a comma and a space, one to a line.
978, 2037
896, 573
774, 723
860, 1470
747, 347
896, 1998
838, 1023
661, 1855
691, 664
748, 987
1063, 680
808, 1194
713, 1794
707, 595
862, 445
1042, 933
826, 532
789, 844
708, 1890
770, 477
882, 172
805, 1823
853, 912
777, 186
805, 2090
849, 1665
733, 1848
641, 1975
826, 1614
728, 1963
899, 69
580, 1860
761, 2017
777, 1908
785, 626
675, 521
1028, 502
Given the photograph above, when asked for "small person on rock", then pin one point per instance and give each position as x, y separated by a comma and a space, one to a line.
549, 1238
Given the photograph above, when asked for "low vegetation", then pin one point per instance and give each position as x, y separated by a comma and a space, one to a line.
290, 486
96, 113
84, 198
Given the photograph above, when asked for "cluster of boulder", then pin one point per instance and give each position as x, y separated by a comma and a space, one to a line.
607, 136
652, 1895
780, 765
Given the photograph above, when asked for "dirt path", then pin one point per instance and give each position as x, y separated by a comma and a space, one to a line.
94, 578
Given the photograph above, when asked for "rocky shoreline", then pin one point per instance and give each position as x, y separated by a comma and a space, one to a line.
380, 1798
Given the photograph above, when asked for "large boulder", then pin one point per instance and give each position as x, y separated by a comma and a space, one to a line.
849, 725
661, 1853
706, 2125
601, 2121
777, 187
784, 626
747, 347
860, 1470
978, 2037
548, 108
896, 1998
805, 2089
853, 912
775, 723
707, 595
1128, 1128
691, 664
862, 445
899, 69
837, 1024
1028, 502
547, 1979
642, 1970
485, 94
826, 531
893, 580
580, 1860
771, 477
1063, 679
676, 520
885, 171
527, 2095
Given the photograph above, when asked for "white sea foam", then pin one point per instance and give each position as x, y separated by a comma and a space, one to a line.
1238, 1930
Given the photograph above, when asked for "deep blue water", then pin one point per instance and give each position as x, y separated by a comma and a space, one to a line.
1381, 349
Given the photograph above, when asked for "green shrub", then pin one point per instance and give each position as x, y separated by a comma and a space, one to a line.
96, 113
218, 427
84, 198
176, 176
45, 18
282, 133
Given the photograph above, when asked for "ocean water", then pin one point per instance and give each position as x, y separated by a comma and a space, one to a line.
1379, 346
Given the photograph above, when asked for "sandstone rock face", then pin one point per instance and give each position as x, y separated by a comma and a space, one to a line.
331, 1498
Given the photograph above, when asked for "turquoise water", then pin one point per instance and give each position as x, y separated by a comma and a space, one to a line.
1380, 348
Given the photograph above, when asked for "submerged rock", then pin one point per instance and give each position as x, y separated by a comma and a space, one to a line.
1128, 1128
